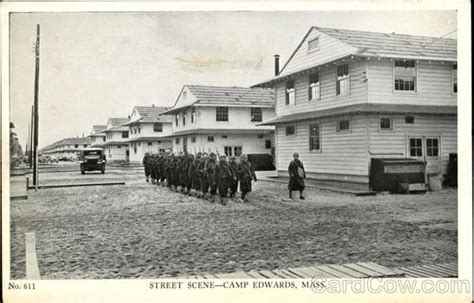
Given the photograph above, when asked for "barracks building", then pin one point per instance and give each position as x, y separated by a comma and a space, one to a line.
346, 97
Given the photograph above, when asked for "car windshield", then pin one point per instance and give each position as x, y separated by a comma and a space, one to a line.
89, 154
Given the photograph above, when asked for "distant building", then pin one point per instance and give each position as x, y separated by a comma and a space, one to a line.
222, 119
346, 97
148, 131
116, 140
97, 135
66, 148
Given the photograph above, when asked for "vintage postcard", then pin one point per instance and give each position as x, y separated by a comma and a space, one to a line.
244, 152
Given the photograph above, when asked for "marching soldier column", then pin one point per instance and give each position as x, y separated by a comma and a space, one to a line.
202, 175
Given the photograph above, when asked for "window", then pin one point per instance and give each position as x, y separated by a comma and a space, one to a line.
260, 136
405, 75
210, 138
342, 82
184, 117
193, 115
455, 78
228, 150
409, 119
416, 147
314, 91
139, 129
85, 145
290, 130
124, 134
76, 145
193, 139
313, 44
255, 114
314, 137
385, 123
290, 92
432, 149
268, 144
237, 151
176, 120
222, 114
103, 139
176, 140
139, 144
343, 125
134, 148
157, 127
119, 146
150, 143
224, 137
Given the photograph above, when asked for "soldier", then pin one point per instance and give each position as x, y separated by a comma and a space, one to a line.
152, 168
234, 181
297, 176
210, 170
194, 175
202, 176
160, 166
146, 165
223, 177
183, 172
246, 173
189, 178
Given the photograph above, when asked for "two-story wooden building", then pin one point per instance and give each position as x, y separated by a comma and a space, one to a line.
222, 119
345, 97
149, 131
66, 148
116, 140
97, 135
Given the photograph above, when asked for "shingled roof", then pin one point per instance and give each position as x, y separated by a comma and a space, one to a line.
152, 114
228, 96
118, 121
396, 45
68, 141
98, 128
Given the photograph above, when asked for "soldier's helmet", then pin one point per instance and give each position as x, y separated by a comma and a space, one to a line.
204, 155
232, 159
244, 157
222, 157
198, 155
212, 156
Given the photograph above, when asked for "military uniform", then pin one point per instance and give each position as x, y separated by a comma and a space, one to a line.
234, 182
146, 165
223, 177
246, 174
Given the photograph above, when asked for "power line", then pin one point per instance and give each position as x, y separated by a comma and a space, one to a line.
439, 38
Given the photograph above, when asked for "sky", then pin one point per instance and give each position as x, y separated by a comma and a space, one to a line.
96, 66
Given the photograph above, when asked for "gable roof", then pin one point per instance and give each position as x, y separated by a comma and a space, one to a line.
152, 114
381, 45
232, 96
98, 128
68, 141
396, 45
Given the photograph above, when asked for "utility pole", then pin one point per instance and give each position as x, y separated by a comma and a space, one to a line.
36, 109
30, 138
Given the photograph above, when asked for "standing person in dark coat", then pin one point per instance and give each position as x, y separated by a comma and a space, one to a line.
297, 176
203, 177
146, 165
194, 175
246, 174
234, 182
189, 178
223, 177
209, 169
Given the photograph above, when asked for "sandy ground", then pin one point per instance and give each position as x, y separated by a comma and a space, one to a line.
143, 231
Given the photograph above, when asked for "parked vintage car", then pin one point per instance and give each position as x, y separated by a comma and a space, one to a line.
92, 159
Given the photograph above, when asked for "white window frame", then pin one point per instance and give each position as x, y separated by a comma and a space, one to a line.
252, 115
294, 127
392, 126
452, 79
394, 76
316, 94
348, 79
338, 128
320, 137
222, 114
290, 93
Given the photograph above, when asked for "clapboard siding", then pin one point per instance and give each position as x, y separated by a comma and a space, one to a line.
341, 152
251, 143
239, 117
329, 49
393, 143
434, 84
357, 93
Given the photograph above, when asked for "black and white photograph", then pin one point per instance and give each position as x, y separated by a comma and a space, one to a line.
234, 149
